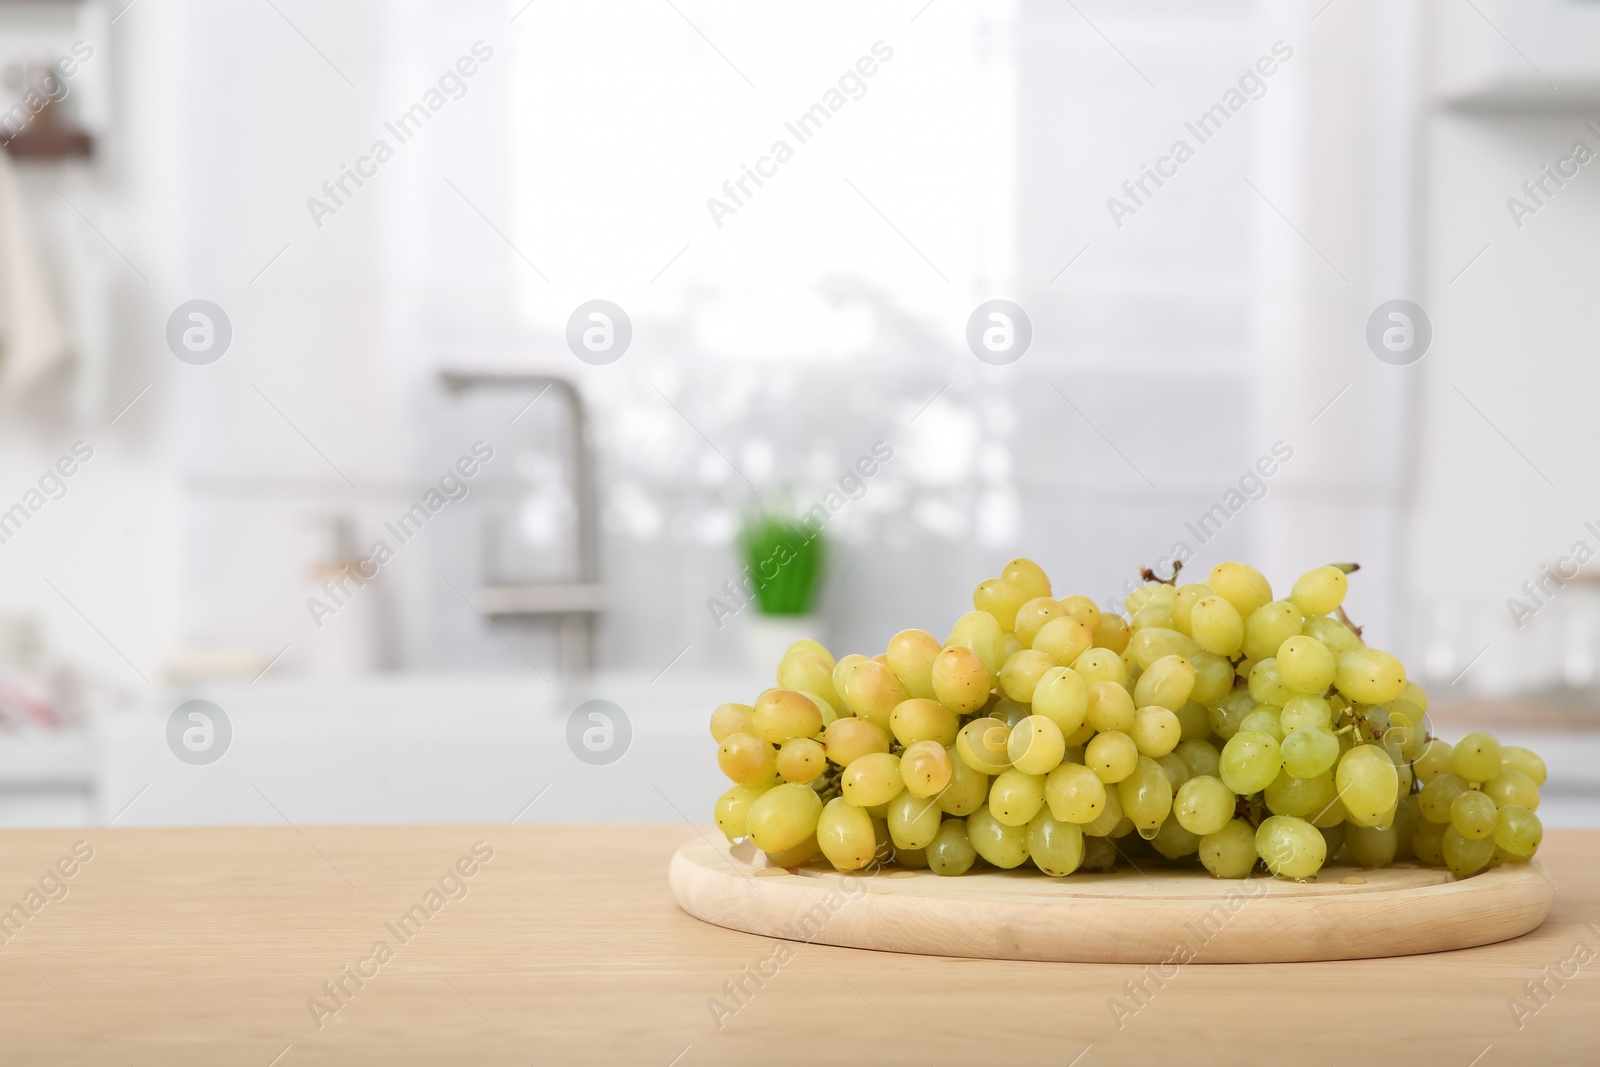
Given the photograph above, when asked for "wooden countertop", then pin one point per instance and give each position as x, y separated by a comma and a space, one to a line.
204, 946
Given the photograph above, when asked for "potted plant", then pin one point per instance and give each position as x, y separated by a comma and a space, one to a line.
783, 571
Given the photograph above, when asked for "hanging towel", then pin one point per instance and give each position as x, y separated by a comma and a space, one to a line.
32, 340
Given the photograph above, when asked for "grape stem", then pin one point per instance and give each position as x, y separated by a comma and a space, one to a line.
1346, 620
1151, 576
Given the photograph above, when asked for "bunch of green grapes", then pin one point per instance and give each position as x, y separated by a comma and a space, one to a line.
1213, 725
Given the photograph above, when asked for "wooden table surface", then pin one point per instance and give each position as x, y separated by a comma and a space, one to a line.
212, 946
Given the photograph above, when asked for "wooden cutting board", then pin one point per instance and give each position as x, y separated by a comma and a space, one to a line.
1148, 915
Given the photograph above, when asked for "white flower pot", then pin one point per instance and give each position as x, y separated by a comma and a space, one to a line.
768, 637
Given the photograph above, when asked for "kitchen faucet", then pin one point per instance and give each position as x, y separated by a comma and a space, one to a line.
574, 603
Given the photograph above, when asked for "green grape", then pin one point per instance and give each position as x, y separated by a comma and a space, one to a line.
1300, 797
1174, 842
1217, 626
747, 760
1075, 793
1150, 593
950, 853
1081, 607
1334, 634
783, 817
845, 835
981, 632
1175, 769
1517, 758
982, 745
1100, 664
1333, 837
925, 768
848, 739
806, 670
1407, 815
1152, 617
1200, 756
1476, 757
1032, 616
1472, 814
1310, 751
1266, 685
1015, 797
1427, 841
1213, 678
1183, 602
1369, 676
1264, 720
1003, 845
1517, 833
1230, 711
961, 682
735, 719
1270, 626
1009, 712
1110, 818
804, 852
910, 655
1439, 795
1250, 761
1020, 674
968, 788
1064, 639
1027, 577
1112, 633
1109, 707
842, 670
1055, 847
914, 858
1368, 784
918, 719
1194, 722
1305, 665
1099, 854
1035, 746
913, 821
1146, 796
1240, 585
1154, 643
1432, 761
872, 780
1306, 710
1203, 805
1111, 755
1372, 847
801, 759
1231, 851
732, 809
1156, 731
1062, 696
872, 692
1512, 786
1165, 683
1319, 590
1466, 855
1290, 847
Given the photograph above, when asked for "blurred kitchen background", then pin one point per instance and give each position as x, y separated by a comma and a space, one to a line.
376, 330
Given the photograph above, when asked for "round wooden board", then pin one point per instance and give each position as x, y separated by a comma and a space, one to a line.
1128, 916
